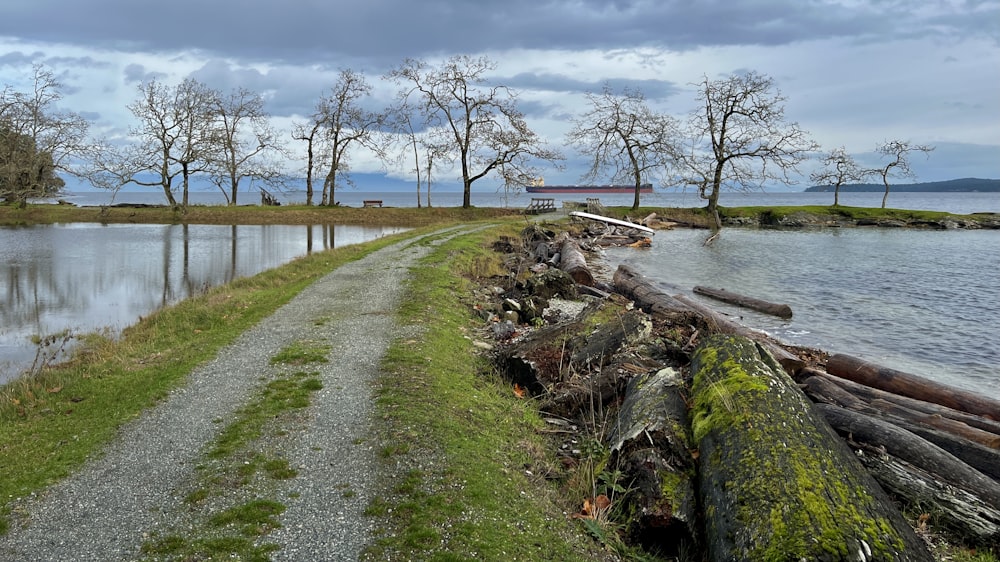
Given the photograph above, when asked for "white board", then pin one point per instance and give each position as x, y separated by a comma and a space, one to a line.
610, 220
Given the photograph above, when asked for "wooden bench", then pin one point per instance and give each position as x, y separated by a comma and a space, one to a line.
540, 206
373, 203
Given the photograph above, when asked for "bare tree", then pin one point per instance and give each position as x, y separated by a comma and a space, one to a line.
740, 138
898, 153
486, 130
408, 129
343, 123
308, 132
839, 169
175, 131
242, 138
624, 136
38, 139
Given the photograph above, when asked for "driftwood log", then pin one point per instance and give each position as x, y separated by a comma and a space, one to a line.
913, 449
927, 460
933, 411
648, 296
573, 262
912, 386
722, 324
774, 309
952, 508
825, 389
680, 309
651, 442
776, 481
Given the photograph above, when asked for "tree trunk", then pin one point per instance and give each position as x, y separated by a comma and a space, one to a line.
776, 481
912, 386
652, 443
573, 262
774, 309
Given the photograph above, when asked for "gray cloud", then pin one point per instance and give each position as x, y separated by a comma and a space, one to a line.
384, 31
853, 72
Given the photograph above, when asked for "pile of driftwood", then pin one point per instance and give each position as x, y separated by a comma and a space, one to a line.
722, 452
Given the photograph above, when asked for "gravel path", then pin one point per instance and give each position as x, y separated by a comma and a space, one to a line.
135, 490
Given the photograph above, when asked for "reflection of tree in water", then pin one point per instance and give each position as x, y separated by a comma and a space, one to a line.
87, 276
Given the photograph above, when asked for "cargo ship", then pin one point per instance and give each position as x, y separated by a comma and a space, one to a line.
538, 186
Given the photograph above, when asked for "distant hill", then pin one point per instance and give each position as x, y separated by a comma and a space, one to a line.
965, 184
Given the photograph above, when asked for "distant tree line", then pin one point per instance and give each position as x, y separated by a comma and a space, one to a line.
444, 116
959, 185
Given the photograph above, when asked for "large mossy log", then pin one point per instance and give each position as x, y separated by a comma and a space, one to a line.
776, 482
913, 386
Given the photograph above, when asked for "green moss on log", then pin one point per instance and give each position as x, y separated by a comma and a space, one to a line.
776, 481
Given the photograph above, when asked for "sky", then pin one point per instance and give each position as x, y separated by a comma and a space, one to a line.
854, 73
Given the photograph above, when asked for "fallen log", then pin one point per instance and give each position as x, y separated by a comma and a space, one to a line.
594, 347
913, 449
791, 363
680, 309
776, 480
651, 442
970, 445
611, 221
635, 286
774, 309
870, 394
913, 386
951, 508
825, 388
574, 263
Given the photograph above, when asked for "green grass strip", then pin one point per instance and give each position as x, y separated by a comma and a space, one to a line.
465, 436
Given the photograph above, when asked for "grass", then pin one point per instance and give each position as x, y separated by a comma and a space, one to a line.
240, 463
839, 212
461, 436
53, 421
250, 214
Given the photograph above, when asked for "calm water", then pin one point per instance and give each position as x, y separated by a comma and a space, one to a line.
952, 202
925, 302
89, 276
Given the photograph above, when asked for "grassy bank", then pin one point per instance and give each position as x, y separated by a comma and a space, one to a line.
249, 214
458, 447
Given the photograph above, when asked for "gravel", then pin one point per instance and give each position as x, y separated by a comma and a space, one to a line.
135, 489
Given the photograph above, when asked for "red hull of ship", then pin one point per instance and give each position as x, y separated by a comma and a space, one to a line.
588, 189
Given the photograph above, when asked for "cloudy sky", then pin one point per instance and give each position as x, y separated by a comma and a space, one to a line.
855, 72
